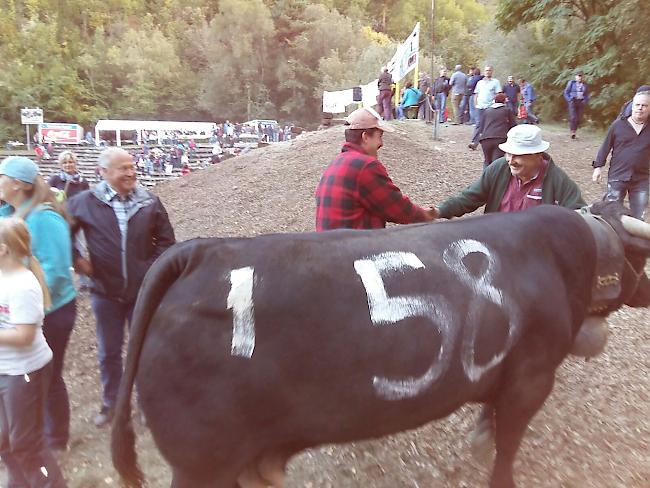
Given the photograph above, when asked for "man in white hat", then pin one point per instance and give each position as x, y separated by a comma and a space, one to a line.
355, 191
525, 177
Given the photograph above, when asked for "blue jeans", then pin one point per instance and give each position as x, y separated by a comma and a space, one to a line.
473, 111
111, 317
576, 109
57, 328
478, 128
22, 446
400, 111
637, 191
441, 102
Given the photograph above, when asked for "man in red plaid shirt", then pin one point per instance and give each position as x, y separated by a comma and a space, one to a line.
355, 191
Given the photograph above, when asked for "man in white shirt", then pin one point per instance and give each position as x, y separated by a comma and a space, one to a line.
485, 91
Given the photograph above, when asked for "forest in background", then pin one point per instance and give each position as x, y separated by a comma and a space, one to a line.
82, 60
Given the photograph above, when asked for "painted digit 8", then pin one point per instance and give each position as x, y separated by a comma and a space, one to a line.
483, 288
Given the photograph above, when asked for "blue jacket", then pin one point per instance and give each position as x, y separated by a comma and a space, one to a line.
528, 93
52, 246
411, 97
570, 92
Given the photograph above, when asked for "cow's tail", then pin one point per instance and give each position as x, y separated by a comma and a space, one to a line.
156, 283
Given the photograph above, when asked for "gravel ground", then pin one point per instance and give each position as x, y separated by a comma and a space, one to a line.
593, 431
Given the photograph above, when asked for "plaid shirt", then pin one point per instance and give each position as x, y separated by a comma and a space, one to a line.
356, 192
121, 207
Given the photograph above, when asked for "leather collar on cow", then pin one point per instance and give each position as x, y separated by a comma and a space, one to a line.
610, 261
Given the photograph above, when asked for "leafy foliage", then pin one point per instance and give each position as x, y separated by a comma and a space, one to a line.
81, 60
607, 39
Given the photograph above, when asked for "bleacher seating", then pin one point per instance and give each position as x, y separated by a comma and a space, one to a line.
87, 157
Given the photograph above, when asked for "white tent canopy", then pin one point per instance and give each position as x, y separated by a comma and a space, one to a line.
159, 126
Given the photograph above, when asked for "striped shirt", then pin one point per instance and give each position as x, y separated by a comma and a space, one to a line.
121, 206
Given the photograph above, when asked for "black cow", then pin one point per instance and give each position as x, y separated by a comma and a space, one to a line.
247, 351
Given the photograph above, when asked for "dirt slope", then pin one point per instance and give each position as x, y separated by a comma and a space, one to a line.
592, 432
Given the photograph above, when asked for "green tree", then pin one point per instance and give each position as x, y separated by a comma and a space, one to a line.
606, 39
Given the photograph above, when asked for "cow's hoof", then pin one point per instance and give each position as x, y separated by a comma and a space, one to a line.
481, 442
591, 338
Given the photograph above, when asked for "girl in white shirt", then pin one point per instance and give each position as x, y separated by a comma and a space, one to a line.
25, 362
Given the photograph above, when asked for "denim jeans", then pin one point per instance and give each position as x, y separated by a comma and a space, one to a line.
29, 462
473, 111
111, 317
637, 192
576, 109
478, 128
400, 111
57, 328
441, 102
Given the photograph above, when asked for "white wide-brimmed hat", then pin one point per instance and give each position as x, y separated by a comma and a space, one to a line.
524, 139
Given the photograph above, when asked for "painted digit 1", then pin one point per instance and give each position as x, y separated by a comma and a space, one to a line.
240, 300
482, 287
385, 310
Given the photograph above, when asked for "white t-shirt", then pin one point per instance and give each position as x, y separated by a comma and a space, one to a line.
485, 91
21, 303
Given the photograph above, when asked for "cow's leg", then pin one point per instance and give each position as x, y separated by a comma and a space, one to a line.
523, 395
482, 437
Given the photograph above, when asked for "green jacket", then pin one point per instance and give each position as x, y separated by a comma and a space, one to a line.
488, 190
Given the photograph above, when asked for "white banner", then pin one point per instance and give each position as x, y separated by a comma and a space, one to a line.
406, 56
335, 102
369, 94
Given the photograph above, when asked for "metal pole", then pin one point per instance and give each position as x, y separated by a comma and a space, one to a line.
29, 143
433, 42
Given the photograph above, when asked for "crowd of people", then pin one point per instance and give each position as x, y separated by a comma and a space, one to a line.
518, 173
112, 232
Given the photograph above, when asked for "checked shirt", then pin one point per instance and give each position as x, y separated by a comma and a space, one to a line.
355, 192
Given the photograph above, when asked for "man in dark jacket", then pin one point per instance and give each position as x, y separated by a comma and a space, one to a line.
626, 109
385, 85
524, 178
628, 140
576, 93
126, 229
440, 92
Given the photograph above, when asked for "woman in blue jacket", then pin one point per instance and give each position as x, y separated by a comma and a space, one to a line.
27, 196
411, 97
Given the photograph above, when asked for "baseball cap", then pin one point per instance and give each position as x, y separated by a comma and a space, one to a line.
643, 88
367, 118
19, 168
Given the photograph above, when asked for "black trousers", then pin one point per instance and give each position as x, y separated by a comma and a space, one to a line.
491, 151
29, 462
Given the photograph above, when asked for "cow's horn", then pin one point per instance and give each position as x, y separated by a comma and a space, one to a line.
636, 227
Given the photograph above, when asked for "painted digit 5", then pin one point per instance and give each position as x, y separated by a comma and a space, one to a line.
483, 288
385, 310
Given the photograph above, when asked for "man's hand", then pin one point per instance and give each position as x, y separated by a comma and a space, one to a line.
432, 214
83, 266
597, 175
